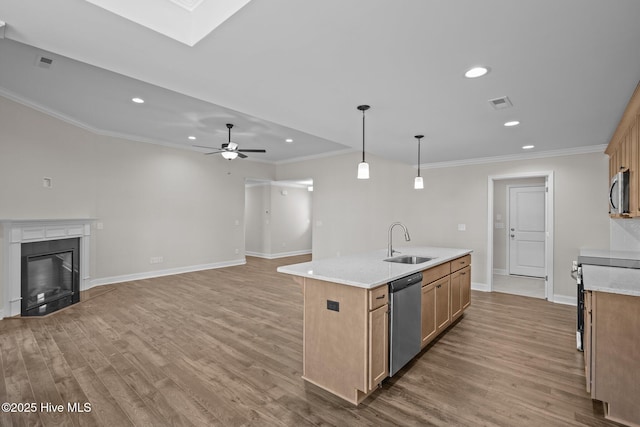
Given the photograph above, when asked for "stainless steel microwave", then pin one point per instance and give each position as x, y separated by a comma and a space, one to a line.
619, 193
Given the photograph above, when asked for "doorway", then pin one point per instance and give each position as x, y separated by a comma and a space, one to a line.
520, 234
278, 218
526, 235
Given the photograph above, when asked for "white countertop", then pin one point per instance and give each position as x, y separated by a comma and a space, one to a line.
625, 281
606, 253
369, 270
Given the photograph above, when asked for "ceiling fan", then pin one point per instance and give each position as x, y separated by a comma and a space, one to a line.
230, 150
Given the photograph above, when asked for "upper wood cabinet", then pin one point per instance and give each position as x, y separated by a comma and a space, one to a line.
624, 152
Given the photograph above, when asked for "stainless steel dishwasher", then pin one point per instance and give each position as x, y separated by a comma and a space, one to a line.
405, 295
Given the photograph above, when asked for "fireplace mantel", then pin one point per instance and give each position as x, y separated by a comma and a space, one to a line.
14, 232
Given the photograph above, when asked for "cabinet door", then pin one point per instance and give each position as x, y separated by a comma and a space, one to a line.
378, 345
443, 313
465, 287
428, 313
587, 339
456, 297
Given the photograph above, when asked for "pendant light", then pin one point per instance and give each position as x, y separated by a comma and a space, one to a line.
418, 184
363, 167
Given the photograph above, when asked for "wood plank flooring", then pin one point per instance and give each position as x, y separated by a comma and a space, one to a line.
224, 347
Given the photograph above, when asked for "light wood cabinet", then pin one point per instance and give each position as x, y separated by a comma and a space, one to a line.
624, 152
443, 303
611, 347
428, 313
587, 339
346, 338
446, 292
378, 345
460, 291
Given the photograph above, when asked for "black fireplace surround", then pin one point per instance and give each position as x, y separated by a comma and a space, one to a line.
50, 276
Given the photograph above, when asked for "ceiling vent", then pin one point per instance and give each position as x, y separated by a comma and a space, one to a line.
44, 62
500, 103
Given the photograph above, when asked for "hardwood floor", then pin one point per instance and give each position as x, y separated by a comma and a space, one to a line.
224, 347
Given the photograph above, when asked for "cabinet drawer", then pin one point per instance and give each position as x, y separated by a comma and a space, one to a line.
378, 297
460, 263
435, 273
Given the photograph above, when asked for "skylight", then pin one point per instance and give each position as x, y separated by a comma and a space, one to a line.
187, 21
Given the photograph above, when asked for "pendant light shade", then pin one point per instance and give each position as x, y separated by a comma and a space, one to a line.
363, 170
363, 167
418, 183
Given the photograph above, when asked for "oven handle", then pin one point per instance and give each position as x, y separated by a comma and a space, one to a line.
574, 270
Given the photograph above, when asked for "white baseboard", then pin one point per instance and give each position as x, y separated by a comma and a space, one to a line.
500, 272
161, 273
1, 314
278, 255
482, 287
564, 299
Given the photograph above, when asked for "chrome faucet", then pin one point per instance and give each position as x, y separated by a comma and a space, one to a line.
390, 250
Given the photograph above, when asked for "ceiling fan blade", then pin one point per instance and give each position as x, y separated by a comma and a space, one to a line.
252, 150
242, 156
213, 152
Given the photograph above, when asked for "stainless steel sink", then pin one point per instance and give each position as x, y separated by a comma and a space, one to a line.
408, 259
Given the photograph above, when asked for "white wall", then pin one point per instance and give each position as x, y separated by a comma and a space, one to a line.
355, 215
257, 212
278, 224
152, 201
155, 201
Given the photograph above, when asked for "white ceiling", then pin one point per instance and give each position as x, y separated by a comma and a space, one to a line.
282, 69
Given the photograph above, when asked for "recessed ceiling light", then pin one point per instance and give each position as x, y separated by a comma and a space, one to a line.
289, 140
527, 147
476, 72
512, 123
138, 100
191, 137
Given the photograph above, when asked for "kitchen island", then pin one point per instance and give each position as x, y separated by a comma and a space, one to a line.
346, 312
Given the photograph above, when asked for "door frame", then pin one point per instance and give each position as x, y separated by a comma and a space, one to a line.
548, 175
508, 214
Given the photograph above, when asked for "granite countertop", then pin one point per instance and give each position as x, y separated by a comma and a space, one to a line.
369, 270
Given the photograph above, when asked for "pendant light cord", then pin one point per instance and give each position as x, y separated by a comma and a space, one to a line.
418, 157
363, 136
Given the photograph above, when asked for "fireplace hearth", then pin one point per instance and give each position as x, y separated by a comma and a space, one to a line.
50, 276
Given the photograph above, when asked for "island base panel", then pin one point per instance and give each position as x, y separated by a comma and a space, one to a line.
335, 338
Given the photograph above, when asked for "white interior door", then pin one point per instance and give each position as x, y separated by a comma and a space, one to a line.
527, 231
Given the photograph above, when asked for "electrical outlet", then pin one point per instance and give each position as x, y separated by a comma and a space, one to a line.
462, 227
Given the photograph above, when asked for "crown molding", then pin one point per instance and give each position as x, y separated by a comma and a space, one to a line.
514, 157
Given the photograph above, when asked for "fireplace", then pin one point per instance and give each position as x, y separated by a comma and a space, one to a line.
49, 276
59, 255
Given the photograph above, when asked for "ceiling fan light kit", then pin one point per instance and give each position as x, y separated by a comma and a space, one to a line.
363, 167
229, 150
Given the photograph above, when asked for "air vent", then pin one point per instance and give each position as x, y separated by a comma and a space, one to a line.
500, 103
44, 62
